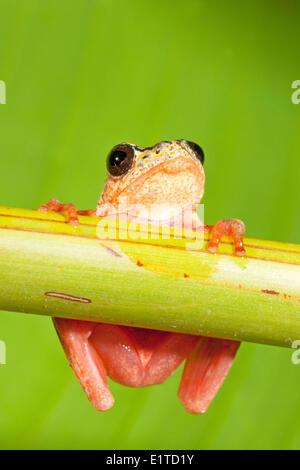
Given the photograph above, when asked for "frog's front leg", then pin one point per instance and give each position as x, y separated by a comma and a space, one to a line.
69, 210
234, 228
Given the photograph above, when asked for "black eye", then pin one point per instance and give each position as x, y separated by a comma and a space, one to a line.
197, 150
120, 160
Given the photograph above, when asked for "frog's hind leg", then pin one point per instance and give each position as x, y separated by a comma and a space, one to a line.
84, 360
138, 357
204, 372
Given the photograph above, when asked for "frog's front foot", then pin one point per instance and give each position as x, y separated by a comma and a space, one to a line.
68, 210
234, 228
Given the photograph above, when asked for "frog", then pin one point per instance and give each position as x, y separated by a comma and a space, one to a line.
169, 176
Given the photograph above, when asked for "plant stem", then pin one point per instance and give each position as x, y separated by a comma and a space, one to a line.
52, 268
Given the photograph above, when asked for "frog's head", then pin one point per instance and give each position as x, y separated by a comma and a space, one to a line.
169, 173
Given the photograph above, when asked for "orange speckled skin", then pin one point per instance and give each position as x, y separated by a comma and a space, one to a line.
169, 176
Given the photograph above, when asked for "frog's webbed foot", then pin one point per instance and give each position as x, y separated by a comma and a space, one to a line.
234, 228
69, 210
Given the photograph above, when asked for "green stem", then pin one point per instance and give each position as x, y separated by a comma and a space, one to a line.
51, 268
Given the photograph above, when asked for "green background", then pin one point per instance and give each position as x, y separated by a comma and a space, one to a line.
84, 75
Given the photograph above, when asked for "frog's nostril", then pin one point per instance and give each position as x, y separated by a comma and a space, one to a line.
120, 160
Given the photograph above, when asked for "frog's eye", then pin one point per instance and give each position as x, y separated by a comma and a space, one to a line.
197, 150
120, 160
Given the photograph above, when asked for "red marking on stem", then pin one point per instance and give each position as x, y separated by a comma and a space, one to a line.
73, 298
111, 251
267, 291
